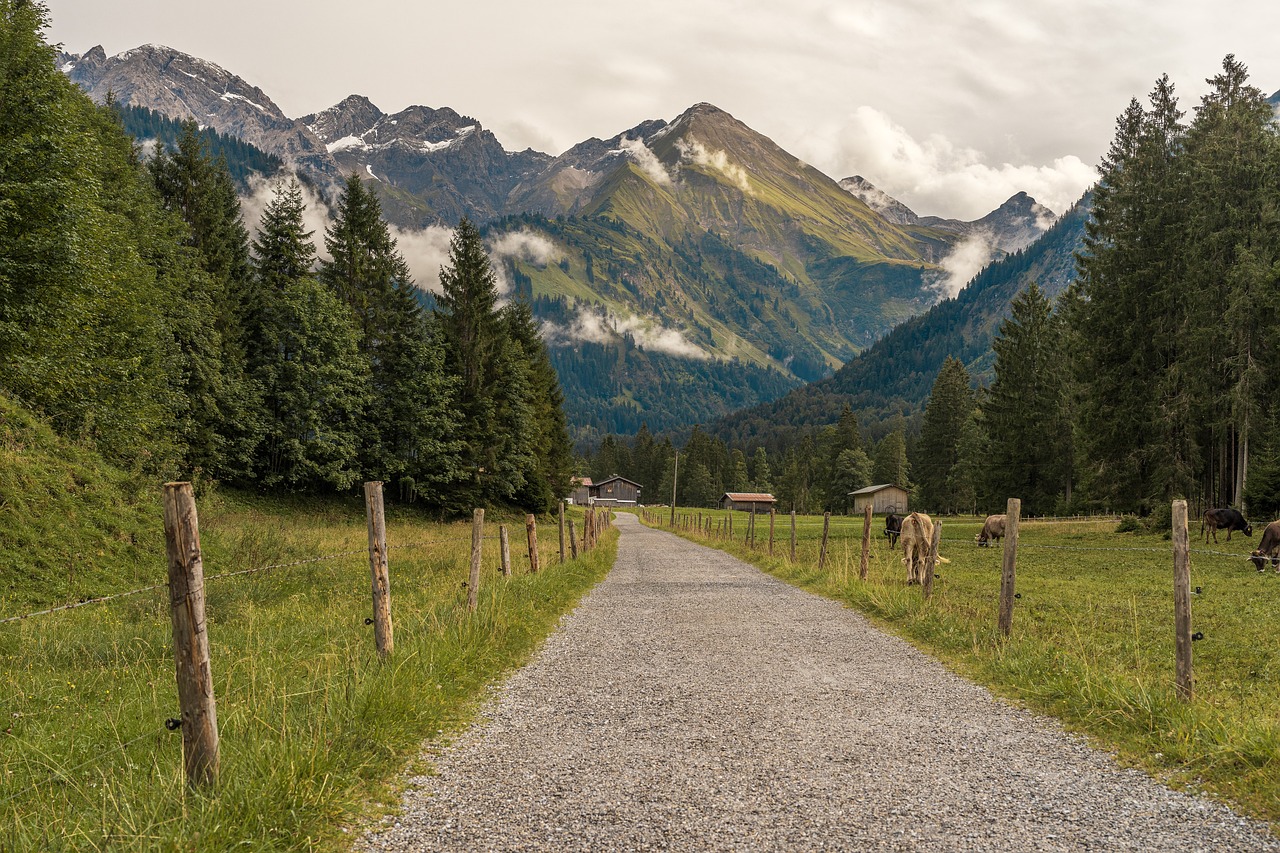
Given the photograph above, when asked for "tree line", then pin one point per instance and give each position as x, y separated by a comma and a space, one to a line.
137, 315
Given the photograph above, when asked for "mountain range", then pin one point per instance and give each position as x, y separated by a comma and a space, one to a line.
680, 268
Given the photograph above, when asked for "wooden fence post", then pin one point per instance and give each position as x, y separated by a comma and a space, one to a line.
561, 532
573, 540
1182, 601
932, 560
505, 550
1013, 514
793, 535
751, 529
772, 514
826, 527
377, 523
531, 530
675, 478
190, 639
477, 543
865, 561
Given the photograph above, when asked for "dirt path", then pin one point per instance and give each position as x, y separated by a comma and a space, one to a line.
691, 702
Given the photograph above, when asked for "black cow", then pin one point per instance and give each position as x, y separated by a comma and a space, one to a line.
1224, 519
892, 529
1267, 548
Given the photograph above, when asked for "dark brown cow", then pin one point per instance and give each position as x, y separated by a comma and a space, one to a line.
992, 528
892, 529
1268, 548
1223, 519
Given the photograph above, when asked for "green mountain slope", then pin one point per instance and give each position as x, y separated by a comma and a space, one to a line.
895, 375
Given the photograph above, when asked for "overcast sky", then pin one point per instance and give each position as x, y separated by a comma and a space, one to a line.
950, 106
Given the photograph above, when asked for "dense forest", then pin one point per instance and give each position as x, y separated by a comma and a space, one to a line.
139, 318
242, 159
1153, 376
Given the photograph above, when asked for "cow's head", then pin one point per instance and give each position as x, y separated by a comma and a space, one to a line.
980, 539
1248, 529
1260, 561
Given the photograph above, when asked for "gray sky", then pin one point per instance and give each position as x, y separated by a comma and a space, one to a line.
950, 106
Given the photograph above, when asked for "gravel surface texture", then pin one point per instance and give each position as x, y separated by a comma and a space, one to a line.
692, 702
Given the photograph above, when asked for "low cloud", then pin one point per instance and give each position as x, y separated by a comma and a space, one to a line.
646, 160
698, 154
425, 251
934, 176
599, 325
525, 245
966, 260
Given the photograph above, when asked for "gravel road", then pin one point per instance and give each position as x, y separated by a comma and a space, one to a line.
692, 702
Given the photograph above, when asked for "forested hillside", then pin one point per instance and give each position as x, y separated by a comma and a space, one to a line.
892, 378
242, 159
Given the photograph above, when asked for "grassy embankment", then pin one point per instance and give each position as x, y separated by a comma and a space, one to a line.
1092, 639
314, 729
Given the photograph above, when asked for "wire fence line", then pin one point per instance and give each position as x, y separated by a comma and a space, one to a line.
256, 570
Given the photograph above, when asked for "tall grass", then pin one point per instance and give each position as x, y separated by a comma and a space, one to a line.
1092, 640
314, 728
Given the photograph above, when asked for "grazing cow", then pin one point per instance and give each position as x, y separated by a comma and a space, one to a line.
917, 537
992, 528
1268, 548
1224, 519
892, 529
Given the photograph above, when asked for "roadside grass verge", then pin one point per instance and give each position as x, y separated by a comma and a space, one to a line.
1092, 640
314, 729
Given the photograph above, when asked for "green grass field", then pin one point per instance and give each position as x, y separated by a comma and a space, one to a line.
1092, 640
315, 730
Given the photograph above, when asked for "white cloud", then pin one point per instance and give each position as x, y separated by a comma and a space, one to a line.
697, 153
525, 245
425, 251
934, 175
966, 260
646, 160
599, 325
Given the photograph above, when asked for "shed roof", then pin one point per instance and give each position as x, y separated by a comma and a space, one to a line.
749, 497
616, 477
871, 490
583, 481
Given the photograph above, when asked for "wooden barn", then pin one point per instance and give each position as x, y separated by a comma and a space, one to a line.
581, 494
616, 491
883, 499
748, 501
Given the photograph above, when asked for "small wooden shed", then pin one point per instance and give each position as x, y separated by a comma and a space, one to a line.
581, 494
883, 499
748, 501
616, 491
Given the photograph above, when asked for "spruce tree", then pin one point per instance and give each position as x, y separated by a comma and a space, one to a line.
890, 465
305, 356
938, 452
1026, 415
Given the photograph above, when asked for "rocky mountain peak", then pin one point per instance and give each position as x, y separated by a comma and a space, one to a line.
352, 116
879, 201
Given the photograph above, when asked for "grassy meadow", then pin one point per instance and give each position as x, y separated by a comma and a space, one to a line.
1092, 640
314, 728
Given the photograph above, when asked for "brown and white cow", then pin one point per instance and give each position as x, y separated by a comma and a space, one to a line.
917, 537
1268, 548
992, 528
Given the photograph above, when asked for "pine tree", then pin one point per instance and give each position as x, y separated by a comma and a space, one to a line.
761, 474
949, 406
1030, 454
305, 356
890, 465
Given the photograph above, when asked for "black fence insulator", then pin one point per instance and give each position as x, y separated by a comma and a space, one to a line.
368, 620
1198, 635
173, 724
